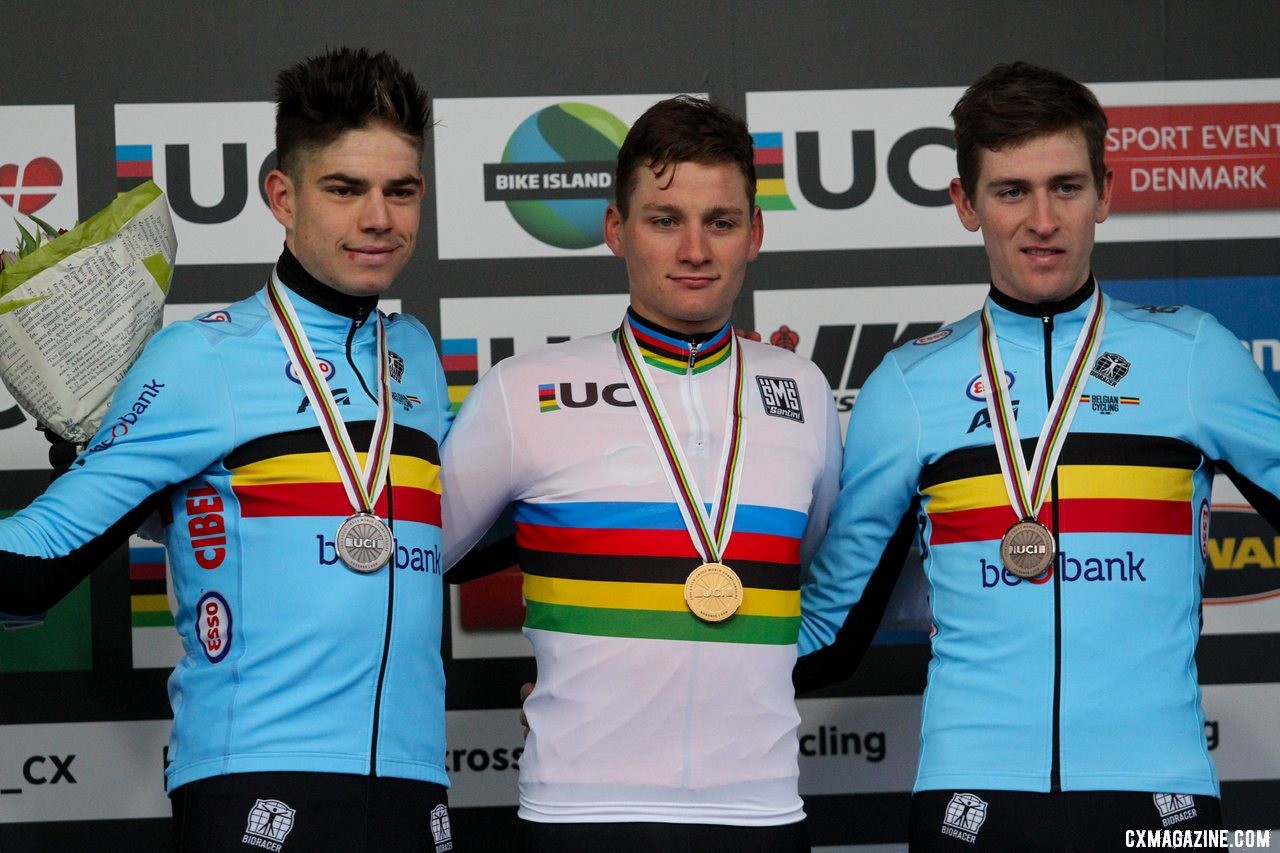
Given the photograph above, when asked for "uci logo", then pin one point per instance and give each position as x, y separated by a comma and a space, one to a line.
569, 395
863, 155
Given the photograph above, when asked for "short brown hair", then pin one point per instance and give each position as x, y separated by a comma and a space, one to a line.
683, 129
1013, 103
322, 97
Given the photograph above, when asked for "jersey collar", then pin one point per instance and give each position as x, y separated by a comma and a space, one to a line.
678, 352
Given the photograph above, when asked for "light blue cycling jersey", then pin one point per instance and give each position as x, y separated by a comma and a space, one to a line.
292, 662
1086, 680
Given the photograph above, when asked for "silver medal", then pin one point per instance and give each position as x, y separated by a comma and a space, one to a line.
1028, 549
364, 542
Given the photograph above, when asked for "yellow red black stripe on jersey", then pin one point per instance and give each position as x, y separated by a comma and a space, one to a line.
293, 474
1106, 483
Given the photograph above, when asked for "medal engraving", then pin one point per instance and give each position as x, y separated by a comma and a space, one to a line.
713, 592
1028, 549
364, 543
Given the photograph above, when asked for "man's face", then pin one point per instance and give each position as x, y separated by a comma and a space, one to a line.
687, 243
351, 217
1037, 205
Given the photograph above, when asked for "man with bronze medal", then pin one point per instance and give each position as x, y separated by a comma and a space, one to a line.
302, 511
1065, 568
660, 530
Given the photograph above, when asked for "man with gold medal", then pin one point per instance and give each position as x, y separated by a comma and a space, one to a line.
661, 530
1064, 547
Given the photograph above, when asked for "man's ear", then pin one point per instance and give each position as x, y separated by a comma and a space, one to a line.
280, 195
1104, 197
964, 206
613, 230
757, 231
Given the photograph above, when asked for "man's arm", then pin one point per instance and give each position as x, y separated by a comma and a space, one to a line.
166, 423
828, 485
855, 569
478, 468
1237, 416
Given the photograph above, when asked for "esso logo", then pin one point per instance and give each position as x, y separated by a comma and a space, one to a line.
326, 370
932, 337
977, 389
213, 626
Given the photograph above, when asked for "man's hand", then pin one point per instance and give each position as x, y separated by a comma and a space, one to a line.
525, 690
61, 452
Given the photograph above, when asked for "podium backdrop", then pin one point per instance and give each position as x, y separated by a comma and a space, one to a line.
849, 103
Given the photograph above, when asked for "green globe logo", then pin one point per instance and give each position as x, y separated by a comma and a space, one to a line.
556, 175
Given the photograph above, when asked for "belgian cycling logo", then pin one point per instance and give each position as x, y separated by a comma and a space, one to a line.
441, 831
1110, 368
964, 816
1108, 404
781, 397
216, 317
270, 822
556, 174
408, 401
1175, 808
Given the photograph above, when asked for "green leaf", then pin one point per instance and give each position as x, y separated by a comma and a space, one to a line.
26, 243
44, 226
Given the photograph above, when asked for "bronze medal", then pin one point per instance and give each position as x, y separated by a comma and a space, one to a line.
713, 592
364, 543
1027, 549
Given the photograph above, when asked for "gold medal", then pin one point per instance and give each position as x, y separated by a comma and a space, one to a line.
713, 592
1027, 549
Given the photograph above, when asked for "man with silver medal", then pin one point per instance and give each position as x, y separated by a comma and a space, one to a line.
660, 528
302, 514
1065, 568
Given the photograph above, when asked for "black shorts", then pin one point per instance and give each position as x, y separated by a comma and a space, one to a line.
665, 837
304, 812
972, 820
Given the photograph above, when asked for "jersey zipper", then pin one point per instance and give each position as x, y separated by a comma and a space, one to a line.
356, 323
693, 400
1055, 767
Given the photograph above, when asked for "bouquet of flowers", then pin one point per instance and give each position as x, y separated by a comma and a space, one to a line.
27, 242
76, 308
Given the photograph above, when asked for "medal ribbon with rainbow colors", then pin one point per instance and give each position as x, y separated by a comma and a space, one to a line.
712, 591
363, 541
1028, 548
